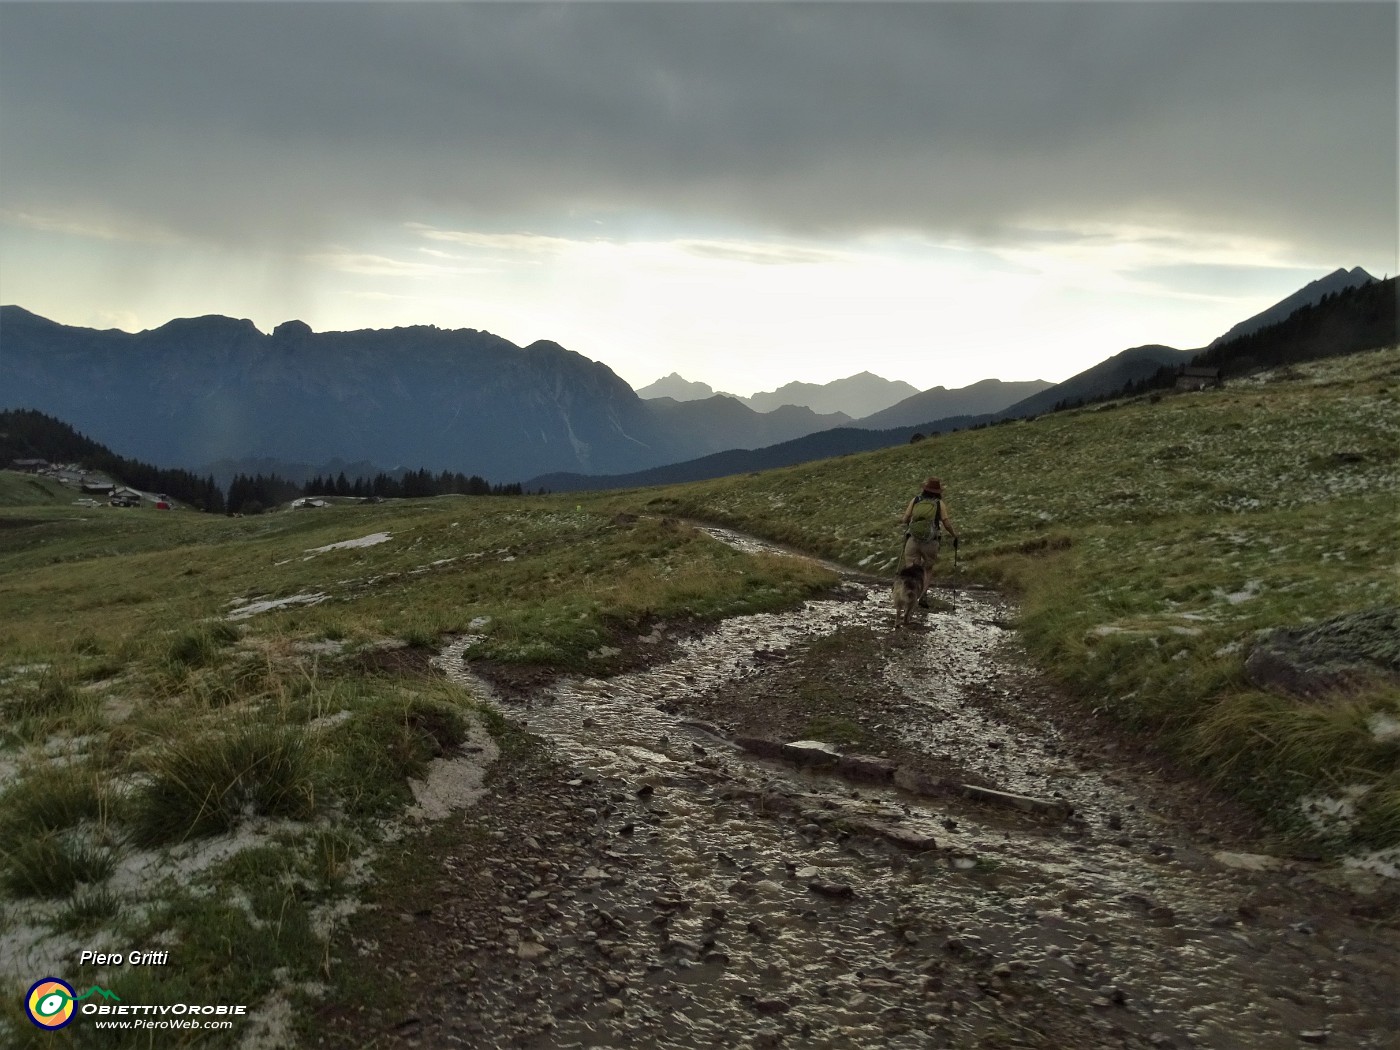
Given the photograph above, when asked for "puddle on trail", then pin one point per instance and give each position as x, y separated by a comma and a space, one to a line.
1116, 920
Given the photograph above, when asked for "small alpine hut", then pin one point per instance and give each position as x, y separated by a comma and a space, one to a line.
1192, 377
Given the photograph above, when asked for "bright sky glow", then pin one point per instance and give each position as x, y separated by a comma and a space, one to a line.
672, 188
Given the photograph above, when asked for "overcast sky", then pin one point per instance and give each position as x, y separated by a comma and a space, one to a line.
746, 193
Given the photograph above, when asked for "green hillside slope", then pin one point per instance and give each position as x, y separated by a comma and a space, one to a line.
1151, 541
29, 490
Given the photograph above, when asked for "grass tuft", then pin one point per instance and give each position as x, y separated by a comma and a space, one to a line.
54, 865
207, 784
53, 696
372, 755
200, 646
1378, 815
52, 799
419, 637
88, 908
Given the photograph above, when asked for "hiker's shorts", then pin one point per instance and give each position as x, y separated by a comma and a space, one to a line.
928, 549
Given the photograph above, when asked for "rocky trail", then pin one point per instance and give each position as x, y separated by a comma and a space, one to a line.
811, 830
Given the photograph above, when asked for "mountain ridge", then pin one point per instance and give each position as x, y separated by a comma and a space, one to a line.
210, 389
1339, 323
986, 395
1338, 280
854, 396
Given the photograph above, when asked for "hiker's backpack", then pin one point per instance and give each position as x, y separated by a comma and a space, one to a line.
936, 529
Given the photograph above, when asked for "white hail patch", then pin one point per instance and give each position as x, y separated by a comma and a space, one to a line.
253, 608
364, 541
1383, 862
1244, 594
1333, 814
1383, 727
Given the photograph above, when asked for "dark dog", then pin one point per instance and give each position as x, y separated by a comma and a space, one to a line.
909, 586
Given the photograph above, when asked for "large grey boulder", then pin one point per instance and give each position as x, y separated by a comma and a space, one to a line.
1339, 655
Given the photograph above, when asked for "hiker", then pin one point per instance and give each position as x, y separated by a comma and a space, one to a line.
924, 520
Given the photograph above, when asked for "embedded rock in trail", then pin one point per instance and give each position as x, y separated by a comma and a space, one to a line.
675, 872
1333, 656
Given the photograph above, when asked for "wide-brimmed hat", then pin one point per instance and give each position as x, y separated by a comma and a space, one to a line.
933, 486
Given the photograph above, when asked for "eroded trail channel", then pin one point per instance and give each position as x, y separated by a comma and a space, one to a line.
674, 888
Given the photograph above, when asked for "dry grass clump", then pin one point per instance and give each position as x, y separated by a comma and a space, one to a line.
52, 798
206, 784
51, 826
370, 757
1258, 743
55, 865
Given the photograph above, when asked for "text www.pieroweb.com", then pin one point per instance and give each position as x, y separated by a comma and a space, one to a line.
157, 1018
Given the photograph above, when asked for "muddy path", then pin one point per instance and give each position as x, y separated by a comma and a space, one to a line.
668, 874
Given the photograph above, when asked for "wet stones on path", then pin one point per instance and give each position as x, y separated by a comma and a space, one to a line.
576, 933
641, 881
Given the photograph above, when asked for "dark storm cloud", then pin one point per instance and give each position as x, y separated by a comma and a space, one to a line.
271, 121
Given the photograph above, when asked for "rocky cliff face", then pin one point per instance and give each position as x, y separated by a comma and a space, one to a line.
200, 389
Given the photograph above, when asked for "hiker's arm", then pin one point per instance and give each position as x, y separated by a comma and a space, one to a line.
908, 514
947, 522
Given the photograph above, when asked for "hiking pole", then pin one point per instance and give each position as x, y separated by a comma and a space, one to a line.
957, 571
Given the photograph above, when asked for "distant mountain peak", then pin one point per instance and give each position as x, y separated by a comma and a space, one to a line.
678, 388
291, 331
207, 324
984, 396
1310, 294
858, 395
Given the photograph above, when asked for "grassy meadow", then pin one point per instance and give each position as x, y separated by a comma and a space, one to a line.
1149, 541
200, 743
200, 747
